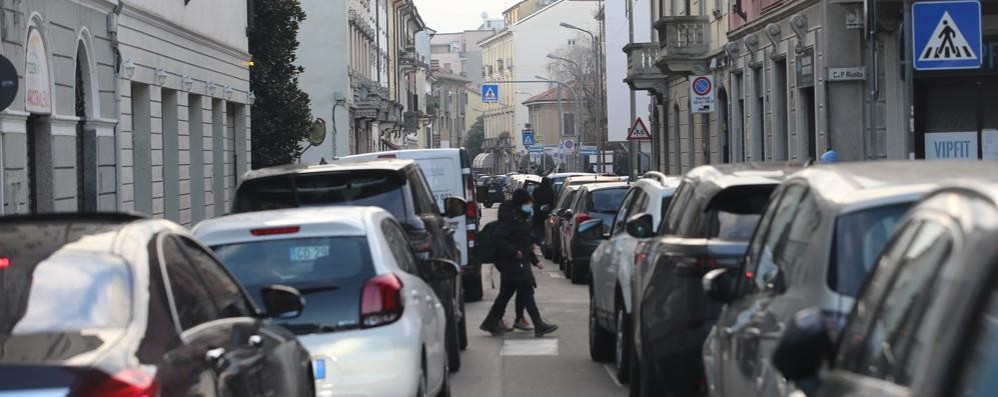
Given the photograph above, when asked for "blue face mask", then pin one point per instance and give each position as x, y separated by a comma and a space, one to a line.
527, 209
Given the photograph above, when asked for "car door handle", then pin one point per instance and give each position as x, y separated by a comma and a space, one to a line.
255, 341
214, 356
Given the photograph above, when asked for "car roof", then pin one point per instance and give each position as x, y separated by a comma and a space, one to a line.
594, 177
604, 186
567, 174
847, 183
323, 220
336, 166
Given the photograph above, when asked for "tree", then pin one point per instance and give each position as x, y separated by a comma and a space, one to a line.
281, 115
476, 136
580, 69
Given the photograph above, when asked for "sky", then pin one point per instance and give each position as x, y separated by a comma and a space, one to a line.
446, 16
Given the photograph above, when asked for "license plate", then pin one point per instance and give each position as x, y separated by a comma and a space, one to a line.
319, 369
300, 254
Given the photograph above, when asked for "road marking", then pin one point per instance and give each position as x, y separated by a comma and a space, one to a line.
610, 371
555, 275
529, 347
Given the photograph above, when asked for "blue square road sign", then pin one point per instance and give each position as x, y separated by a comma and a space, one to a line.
528, 138
490, 93
946, 35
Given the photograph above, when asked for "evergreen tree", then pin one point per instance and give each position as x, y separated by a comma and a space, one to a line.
281, 116
476, 136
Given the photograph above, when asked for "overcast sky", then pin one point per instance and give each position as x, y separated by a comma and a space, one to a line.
446, 16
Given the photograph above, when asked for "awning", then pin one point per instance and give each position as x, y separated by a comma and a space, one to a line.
483, 160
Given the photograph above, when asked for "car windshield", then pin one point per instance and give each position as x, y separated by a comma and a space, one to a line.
382, 189
329, 271
859, 238
606, 200
48, 286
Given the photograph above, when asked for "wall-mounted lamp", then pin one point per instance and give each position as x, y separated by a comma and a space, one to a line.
128, 69
160, 76
228, 92
186, 83
210, 88
251, 97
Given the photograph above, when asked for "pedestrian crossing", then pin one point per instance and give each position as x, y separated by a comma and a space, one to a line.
529, 347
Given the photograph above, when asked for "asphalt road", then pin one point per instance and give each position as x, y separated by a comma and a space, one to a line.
519, 365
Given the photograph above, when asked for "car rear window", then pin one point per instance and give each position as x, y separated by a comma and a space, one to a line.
362, 188
735, 212
49, 288
329, 271
859, 238
606, 200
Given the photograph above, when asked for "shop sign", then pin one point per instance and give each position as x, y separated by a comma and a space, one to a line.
847, 74
951, 145
989, 144
38, 96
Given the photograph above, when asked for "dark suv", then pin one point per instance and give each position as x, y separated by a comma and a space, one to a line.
589, 218
399, 187
708, 225
116, 305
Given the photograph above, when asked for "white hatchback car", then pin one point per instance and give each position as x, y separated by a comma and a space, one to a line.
372, 324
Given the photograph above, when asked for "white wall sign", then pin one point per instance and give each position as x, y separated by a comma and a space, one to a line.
38, 96
847, 74
951, 145
989, 144
702, 94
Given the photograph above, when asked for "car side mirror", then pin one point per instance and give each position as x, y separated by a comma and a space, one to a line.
439, 269
454, 207
640, 226
803, 346
591, 229
720, 285
282, 302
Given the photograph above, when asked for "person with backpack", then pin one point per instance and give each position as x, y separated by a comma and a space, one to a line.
514, 250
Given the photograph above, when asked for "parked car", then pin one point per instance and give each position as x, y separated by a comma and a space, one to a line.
586, 179
708, 225
115, 305
926, 322
397, 186
611, 265
596, 204
449, 173
495, 191
551, 247
817, 241
371, 305
558, 179
522, 181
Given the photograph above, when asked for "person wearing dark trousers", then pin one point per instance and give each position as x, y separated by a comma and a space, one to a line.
514, 245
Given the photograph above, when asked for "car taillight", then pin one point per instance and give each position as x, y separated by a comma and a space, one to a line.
581, 217
4, 263
471, 238
125, 383
472, 213
381, 301
275, 230
420, 241
469, 195
640, 254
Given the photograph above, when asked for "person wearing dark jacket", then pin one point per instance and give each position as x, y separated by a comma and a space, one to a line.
543, 196
515, 250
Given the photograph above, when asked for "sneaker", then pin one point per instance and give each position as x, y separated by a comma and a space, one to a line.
523, 325
504, 326
492, 330
544, 329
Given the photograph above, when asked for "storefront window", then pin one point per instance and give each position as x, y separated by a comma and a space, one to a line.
950, 108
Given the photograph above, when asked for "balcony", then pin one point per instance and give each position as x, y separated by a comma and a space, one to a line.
684, 43
642, 73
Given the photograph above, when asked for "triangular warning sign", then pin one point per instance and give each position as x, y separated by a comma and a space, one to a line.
947, 43
490, 95
638, 131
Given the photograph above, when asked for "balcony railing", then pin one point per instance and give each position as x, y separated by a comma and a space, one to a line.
684, 43
642, 72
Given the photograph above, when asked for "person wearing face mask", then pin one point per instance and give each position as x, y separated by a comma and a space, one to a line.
515, 256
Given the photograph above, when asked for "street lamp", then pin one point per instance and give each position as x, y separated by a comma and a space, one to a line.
599, 81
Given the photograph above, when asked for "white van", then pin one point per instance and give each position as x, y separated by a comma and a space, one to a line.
449, 174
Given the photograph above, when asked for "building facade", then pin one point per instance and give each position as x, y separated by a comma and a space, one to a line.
447, 107
141, 106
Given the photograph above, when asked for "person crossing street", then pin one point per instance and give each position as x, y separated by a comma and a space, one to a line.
514, 247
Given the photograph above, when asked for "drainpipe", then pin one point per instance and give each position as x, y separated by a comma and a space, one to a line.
909, 84
871, 76
112, 28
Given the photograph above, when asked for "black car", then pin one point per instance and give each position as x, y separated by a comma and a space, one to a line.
708, 225
551, 248
116, 305
585, 224
492, 190
399, 187
926, 321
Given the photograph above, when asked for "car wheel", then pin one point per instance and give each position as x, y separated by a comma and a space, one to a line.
578, 273
600, 341
445, 387
648, 384
462, 332
473, 287
546, 251
635, 377
453, 346
623, 345
566, 265
488, 205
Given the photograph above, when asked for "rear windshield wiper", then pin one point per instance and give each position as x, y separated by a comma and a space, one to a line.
312, 290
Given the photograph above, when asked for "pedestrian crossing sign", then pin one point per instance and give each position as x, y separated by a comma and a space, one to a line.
947, 35
490, 93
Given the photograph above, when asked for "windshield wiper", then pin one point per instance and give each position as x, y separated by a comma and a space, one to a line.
312, 290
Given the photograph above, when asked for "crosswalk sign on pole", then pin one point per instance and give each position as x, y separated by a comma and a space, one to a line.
490, 93
528, 138
638, 131
947, 35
